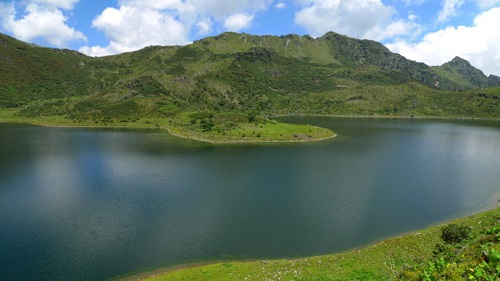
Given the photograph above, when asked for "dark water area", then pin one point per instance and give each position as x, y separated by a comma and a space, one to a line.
92, 204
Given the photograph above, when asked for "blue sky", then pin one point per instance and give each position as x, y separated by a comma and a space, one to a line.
423, 30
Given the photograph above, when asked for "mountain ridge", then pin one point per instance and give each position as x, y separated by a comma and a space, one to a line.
291, 74
349, 51
329, 49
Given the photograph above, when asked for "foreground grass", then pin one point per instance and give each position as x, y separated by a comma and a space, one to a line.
207, 127
400, 258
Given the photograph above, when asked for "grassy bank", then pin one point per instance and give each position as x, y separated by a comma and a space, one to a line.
202, 126
421, 255
234, 127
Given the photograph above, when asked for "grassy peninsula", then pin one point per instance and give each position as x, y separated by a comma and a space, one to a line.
201, 126
464, 249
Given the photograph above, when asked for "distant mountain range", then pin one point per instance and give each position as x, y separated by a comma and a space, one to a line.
332, 74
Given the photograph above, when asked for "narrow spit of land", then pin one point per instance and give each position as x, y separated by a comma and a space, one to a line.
222, 130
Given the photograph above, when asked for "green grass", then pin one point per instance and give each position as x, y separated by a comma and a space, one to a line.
226, 128
237, 127
287, 75
398, 258
8, 114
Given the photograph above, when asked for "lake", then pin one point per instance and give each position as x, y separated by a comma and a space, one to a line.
91, 204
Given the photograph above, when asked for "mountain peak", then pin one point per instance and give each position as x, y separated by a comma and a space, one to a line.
458, 61
467, 72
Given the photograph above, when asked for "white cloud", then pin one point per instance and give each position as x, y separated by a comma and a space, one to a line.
369, 19
413, 2
238, 22
131, 28
412, 17
221, 9
479, 43
486, 4
280, 5
46, 22
96, 51
139, 23
204, 26
155, 4
63, 4
394, 29
449, 9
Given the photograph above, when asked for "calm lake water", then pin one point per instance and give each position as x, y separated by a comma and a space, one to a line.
88, 204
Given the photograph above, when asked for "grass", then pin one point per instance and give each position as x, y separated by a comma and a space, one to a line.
8, 114
287, 75
235, 127
397, 258
225, 128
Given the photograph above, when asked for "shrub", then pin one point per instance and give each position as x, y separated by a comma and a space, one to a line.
454, 233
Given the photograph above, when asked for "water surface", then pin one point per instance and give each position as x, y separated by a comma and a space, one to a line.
87, 204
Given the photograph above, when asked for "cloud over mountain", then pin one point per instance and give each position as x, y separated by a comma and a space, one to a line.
41, 19
478, 43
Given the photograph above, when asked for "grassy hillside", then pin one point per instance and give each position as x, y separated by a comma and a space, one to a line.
29, 73
237, 75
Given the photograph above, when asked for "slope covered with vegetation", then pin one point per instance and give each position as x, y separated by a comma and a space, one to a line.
233, 78
29, 73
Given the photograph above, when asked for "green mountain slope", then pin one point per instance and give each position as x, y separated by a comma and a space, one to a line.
465, 75
28, 73
251, 75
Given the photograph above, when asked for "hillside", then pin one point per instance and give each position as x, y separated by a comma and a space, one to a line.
239, 73
28, 73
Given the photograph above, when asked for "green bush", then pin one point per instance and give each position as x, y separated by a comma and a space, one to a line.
453, 233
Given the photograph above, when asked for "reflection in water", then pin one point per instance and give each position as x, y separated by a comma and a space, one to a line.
91, 204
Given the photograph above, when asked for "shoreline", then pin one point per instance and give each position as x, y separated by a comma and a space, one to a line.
246, 141
457, 118
162, 270
367, 247
171, 131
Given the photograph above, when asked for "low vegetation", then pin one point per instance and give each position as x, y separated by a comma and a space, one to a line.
237, 127
461, 255
239, 80
203, 126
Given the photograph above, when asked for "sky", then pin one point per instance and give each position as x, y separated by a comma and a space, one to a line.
428, 31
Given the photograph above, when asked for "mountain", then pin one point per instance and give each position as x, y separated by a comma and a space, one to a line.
466, 75
28, 73
231, 72
340, 51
